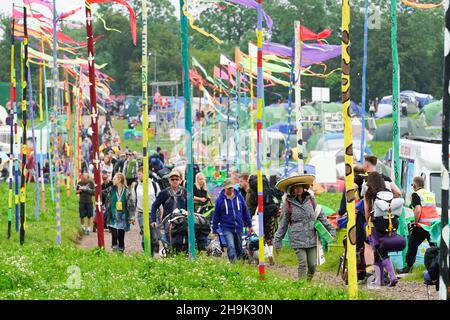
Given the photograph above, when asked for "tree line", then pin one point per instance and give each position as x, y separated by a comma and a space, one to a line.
420, 44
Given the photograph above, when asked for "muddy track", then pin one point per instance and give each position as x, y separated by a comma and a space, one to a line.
404, 290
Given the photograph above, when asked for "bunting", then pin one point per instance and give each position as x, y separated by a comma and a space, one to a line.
417, 5
130, 10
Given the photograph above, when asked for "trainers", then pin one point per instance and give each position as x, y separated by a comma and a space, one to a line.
83, 229
406, 269
115, 248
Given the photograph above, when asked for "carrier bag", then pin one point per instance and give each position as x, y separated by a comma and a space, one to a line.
320, 228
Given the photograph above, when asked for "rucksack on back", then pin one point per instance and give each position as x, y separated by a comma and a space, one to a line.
431, 261
386, 212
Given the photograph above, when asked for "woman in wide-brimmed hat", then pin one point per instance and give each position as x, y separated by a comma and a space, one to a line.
299, 214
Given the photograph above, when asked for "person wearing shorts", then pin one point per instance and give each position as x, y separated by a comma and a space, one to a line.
85, 189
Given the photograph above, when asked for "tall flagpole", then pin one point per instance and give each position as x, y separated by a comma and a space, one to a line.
41, 115
24, 128
69, 172
94, 123
402, 228
238, 111
228, 122
443, 251
363, 99
55, 131
33, 136
48, 125
252, 118
145, 205
12, 102
291, 83
259, 116
348, 147
188, 127
298, 95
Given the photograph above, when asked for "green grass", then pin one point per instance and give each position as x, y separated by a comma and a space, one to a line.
382, 121
162, 139
416, 275
379, 148
331, 200
41, 270
120, 126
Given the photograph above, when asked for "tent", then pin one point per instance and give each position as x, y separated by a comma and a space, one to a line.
413, 103
430, 111
3, 115
383, 110
407, 127
292, 167
284, 128
332, 141
422, 98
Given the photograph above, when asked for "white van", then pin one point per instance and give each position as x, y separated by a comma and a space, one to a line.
421, 157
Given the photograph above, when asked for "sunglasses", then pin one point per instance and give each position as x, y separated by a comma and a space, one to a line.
174, 179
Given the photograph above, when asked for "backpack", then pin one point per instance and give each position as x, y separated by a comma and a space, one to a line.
288, 204
155, 188
179, 224
164, 175
202, 225
267, 191
431, 261
386, 212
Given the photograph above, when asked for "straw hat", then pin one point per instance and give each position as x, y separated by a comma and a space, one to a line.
294, 179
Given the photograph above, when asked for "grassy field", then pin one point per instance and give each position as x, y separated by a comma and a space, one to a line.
41, 270
162, 139
379, 148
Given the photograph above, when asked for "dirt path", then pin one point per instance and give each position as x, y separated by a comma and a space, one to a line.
132, 240
404, 290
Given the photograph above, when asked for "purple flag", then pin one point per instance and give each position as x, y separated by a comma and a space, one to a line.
312, 53
253, 4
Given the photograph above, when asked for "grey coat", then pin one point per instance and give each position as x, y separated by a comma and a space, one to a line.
301, 232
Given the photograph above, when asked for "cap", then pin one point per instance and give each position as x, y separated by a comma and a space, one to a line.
228, 183
174, 173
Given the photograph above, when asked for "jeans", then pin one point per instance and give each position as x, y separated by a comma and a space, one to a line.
307, 258
154, 234
234, 244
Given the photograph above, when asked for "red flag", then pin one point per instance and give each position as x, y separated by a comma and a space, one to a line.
130, 10
306, 34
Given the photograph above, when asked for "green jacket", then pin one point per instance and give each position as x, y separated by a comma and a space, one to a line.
128, 201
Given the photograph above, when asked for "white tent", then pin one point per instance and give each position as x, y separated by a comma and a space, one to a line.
3, 115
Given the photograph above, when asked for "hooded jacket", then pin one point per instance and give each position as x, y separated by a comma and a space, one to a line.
301, 231
231, 214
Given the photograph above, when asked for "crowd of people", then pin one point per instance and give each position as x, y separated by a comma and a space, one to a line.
289, 207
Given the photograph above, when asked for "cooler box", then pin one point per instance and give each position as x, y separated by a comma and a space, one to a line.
340, 234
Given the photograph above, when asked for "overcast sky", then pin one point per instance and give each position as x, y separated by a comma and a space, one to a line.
61, 5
